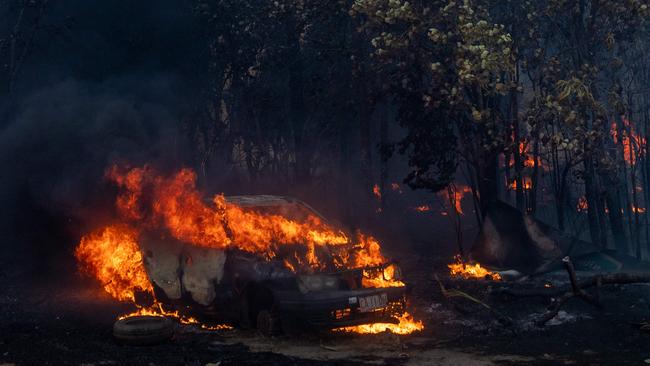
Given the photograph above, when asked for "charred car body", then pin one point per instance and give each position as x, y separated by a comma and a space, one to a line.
247, 289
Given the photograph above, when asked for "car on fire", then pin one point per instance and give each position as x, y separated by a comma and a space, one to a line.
251, 290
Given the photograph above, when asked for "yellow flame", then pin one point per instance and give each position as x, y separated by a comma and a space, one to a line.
407, 325
467, 270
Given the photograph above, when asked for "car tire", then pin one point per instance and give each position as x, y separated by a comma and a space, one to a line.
290, 326
143, 330
267, 323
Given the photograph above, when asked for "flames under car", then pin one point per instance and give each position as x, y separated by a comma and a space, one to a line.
251, 290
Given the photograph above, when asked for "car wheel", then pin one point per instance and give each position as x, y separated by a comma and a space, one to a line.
267, 323
143, 330
245, 321
290, 326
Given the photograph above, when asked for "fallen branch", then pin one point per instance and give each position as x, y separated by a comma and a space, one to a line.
621, 278
449, 293
578, 288
597, 280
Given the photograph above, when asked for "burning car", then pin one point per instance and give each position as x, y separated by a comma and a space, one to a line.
260, 261
272, 294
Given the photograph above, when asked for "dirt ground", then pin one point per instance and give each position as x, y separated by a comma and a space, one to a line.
50, 322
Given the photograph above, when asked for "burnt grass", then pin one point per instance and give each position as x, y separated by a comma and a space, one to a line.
67, 320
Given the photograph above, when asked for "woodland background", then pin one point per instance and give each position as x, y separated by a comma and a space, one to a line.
349, 105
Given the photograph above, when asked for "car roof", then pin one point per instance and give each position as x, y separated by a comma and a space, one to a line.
261, 200
267, 200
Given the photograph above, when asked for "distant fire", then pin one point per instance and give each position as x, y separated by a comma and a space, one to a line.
527, 159
467, 270
149, 200
582, 205
453, 196
376, 191
422, 208
638, 210
527, 184
634, 145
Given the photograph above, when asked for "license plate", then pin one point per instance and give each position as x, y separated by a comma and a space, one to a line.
370, 303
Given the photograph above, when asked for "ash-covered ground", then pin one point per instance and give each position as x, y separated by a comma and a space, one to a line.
69, 321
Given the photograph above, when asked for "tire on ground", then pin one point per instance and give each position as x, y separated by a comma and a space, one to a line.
267, 323
143, 330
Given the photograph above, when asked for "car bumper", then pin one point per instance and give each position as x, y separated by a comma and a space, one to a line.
333, 309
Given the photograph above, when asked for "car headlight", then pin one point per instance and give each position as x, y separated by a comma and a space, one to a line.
392, 272
312, 283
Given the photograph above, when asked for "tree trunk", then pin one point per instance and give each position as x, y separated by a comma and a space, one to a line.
487, 186
535, 178
297, 113
615, 216
383, 142
365, 144
514, 113
592, 204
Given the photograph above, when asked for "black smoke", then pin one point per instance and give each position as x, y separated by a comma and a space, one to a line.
113, 83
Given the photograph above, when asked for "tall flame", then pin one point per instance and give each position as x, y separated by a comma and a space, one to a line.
112, 255
175, 204
634, 145
454, 196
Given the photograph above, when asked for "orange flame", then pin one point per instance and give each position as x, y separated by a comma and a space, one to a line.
528, 185
376, 191
582, 205
455, 196
467, 271
638, 209
634, 145
407, 325
422, 208
528, 160
175, 204
113, 256
385, 279
158, 310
